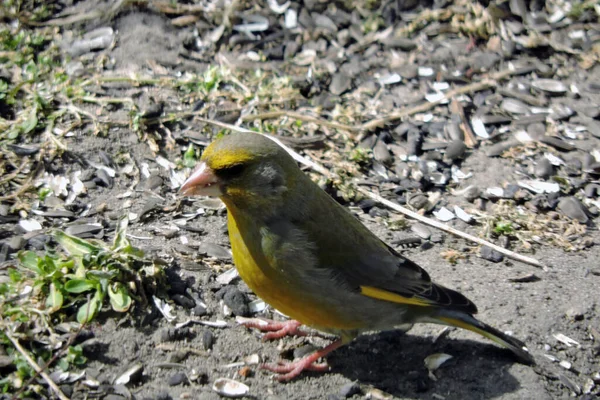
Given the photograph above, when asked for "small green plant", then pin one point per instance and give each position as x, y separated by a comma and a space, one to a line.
503, 228
361, 156
75, 281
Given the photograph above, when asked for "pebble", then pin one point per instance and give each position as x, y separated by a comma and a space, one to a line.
497, 149
183, 301
16, 243
349, 389
572, 208
214, 250
421, 231
177, 378
591, 190
340, 83
455, 150
235, 300
403, 44
208, 339
550, 86
514, 106
381, 153
544, 169
575, 313
199, 310
487, 253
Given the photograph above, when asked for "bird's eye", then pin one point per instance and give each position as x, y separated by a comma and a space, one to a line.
231, 171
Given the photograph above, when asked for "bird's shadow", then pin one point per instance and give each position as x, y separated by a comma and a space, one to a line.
393, 362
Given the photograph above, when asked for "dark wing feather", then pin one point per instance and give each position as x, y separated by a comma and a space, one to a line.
355, 257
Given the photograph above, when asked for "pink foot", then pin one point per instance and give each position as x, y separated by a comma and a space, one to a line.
276, 330
289, 370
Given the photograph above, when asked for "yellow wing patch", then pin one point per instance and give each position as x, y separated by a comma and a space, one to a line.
393, 297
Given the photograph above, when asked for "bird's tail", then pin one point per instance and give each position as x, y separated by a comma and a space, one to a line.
466, 321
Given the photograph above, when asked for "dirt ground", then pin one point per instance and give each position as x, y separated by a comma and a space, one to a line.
563, 300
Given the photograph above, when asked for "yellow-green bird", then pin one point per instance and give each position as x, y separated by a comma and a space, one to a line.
308, 257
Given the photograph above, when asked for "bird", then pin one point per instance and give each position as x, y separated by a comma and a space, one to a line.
307, 256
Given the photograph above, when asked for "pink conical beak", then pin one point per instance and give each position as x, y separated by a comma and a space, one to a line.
202, 182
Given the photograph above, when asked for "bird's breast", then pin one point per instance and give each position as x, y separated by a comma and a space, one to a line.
275, 287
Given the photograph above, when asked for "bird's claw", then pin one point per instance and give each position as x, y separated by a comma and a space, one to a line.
275, 329
287, 370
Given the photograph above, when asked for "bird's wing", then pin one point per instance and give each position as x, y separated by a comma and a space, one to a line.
355, 257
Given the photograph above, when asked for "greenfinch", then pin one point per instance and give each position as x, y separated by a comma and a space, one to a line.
308, 257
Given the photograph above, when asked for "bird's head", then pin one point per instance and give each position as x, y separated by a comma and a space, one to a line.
246, 170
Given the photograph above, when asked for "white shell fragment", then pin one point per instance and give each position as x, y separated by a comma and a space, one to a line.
540, 186
434, 361
495, 191
164, 308
257, 306
565, 364
566, 340
128, 376
278, 8
30, 225
462, 214
255, 23
291, 18
554, 160
226, 277
444, 214
479, 128
230, 388
390, 79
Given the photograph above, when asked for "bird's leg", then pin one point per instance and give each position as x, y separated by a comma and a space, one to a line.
289, 370
275, 329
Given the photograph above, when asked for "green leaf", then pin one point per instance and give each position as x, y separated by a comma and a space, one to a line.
30, 123
79, 285
189, 157
30, 260
74, 245
121, 241
119, 298
88, 311
54, 301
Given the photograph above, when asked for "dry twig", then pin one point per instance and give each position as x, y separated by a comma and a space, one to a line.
36, 367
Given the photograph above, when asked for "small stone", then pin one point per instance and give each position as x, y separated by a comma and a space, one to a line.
591, 190
403, 44
421, 230
575, 313
487, 253
436, 237
214, 250
455, 150
572, 208
199, 310
381, 153
177, 378
544, 169
497, 149
16, 243
349, 389
514, 106
536, 130
208, 339
340, 83
235, 300
183, 301
549, 86
472, 193
323, 21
